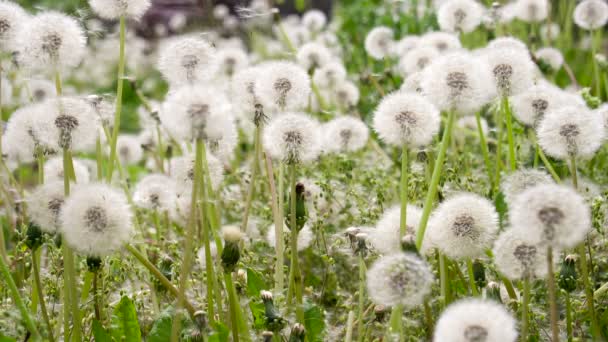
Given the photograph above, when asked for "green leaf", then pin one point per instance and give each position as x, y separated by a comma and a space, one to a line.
314, 322
255, 283
220, 334
257, 311
125, 326
100, 333
6, 338
161, 329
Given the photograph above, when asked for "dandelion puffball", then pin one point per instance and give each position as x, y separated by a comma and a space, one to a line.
551, 56
460, 15
530, 106
113, 9
532, 10
12, 17
442, 41
44, 205
231, 60
53, 170
313, 55
571, 131
475, 320
293, 138
187, 60
512, 70
552, 214
385, 237
129, 149
402, 278
305, 236
406, 118
155, 192
346, 94
591, 14
345, 134
314, 20
517, 258
516, 182
183, 171
464, 226
96, 220
50, 40
282, 86
417, 59
330, 74
379, 42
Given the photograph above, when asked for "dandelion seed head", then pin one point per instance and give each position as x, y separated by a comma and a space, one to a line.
12, 17
403, 118
129, 149
516, 182
530, 106
405, 45
314, 20
44, 205
187, 60
412, 83
243, 89
379, 42
232, 234
231, 60
532, 10
293, 138
517, 258
401, 278
183, 171
550, 31
444, 42
464, 226
53, 170
113, 9
507, 43
329, 75
284, 86
155, 192
346, 94
591, 14
552, 56
512, 70
345, 134
96, 220
459, 15
313, 55
552, 214
104, 107
20, 140
475, 320
385, 237
222, 137
417, 60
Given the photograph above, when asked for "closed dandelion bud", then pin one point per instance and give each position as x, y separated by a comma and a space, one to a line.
274, 321
50, 40
293, 138
33, 237
475, 320
552, 214
460, 15
401, 278
479, 273
267, 336
567, 275
188, 60
572, 131
493, 291
94, 263
113, 9
232, 251
200, 319
591, 14
379, 42
361, 247
298, 332
301, 211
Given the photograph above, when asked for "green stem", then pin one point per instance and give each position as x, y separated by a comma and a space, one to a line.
121, 76
349, 326
254, 173
403, 191
25, 315
96, 297
432, 191
524, 309
552, 295
234, 323
278, 226
40, 290
568, 317
443, 280
596, 82
99, 158
509, 119
484, 148
474, 290
361, 297
498, 167
295, 263
396, 326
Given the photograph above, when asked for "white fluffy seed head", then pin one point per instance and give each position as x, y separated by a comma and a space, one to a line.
346, 94
293, 138
104, 107
329, 75
243, 90
457, 82
405, 118
314, 20
50, 40
402, 278
187, 60
345, 134
464, 226
44, 205
313, 55
113, 9
443, 41
603, 112
571, 131
512, 70
231, 60
192, 112
155, 192
305, 236
530, 106
550, 31
379, 42
417, 60
385, 237
551, 56
516, 182
38, 91
460, 15
517, 258
412, 83
129, 150
507, 43
12, 17
532, 10
475, 320
552, 214
53, 170
283, 86
223, 137
591, 14
96, 220
405, 45
232, 234
20, 140
201, 254
182, 170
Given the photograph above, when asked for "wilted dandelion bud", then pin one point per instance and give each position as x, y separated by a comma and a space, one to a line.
571, 131
345, 134
293, 138
518, 258
552, 214
231, 60
183, 171
464, 226
409, 119
516, 182
456, 82
44, 205
314, 20
330, 74
459, 15
401, 278
385, 238
53, 170
129, 149
567, 275
512, 70
50, 40
96, 220
12, 17
442, 41
282, 86
274, 321
200, 319
113, 9
475, 320
298, 332
532, 10
313, 55
231, 253
530, 106
551, 57
346, 94
493, 291
379, 42
187, 60
591, 14
380, 312
417, 59
155, 192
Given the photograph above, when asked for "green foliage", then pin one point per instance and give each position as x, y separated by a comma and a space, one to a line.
125, 326
314, 322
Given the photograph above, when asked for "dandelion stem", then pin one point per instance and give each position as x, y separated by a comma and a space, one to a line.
278, 226
96, 296
403, 191
474, 290
432, 191
595, 37
568, 316
443, 280
362, 269
524, 309
484, 148
121, 76
396, 323
25, 315
234, 322
507, 113
254, 174
296, 277
552, 295
499, 133
40, 290
349, 326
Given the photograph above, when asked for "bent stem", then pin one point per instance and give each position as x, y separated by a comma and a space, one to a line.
552, 295
119, 88
432, 191
403, 191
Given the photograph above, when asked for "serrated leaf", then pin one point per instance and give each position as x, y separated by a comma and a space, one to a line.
100, 333
314, 323
125, 326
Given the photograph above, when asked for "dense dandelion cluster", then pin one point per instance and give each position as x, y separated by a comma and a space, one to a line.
385, 170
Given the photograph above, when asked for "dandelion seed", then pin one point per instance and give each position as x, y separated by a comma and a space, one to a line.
283, 86
293, 138
591, 14
459, 15
517, 258
379, 42
113, 9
